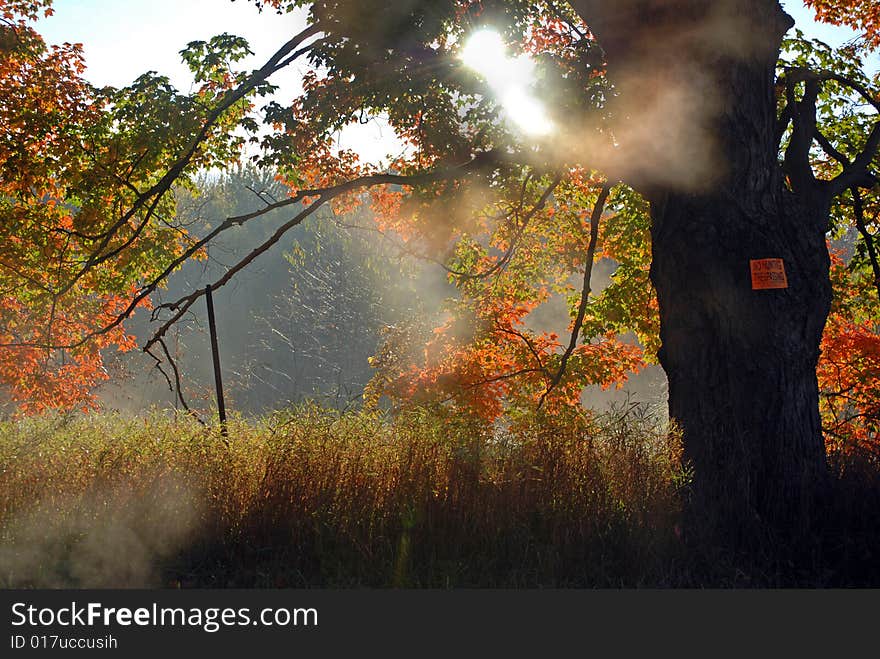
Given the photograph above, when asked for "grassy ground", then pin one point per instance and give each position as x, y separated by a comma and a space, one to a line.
312, 498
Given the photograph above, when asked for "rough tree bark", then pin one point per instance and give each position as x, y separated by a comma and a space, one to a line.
741, 363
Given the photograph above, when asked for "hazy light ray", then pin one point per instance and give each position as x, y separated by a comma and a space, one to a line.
526, 112
511, 80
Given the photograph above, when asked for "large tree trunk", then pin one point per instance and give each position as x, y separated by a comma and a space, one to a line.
741, 363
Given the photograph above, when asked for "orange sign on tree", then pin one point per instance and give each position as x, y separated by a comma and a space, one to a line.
768, 274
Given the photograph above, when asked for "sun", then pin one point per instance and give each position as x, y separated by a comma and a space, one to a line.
511, 79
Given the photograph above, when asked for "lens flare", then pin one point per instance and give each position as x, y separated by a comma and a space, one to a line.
485, 53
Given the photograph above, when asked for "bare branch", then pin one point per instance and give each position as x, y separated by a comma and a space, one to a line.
529, 344
183, 305
496, 378
596, 216
514, 242
321, 196
177, 388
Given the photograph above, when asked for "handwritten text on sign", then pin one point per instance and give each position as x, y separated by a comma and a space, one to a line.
768, 273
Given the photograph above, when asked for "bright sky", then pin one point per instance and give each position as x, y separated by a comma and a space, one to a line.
124, 38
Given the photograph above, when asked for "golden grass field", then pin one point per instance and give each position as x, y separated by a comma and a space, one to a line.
314, 498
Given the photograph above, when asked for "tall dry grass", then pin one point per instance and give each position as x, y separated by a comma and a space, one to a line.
316, 498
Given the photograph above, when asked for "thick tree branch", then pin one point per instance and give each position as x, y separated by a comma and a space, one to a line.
783, 123
859, 210
803, 121
830, 149
856, 173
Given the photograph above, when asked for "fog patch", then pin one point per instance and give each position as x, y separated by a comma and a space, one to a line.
117, 537
663, 62
648, 388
